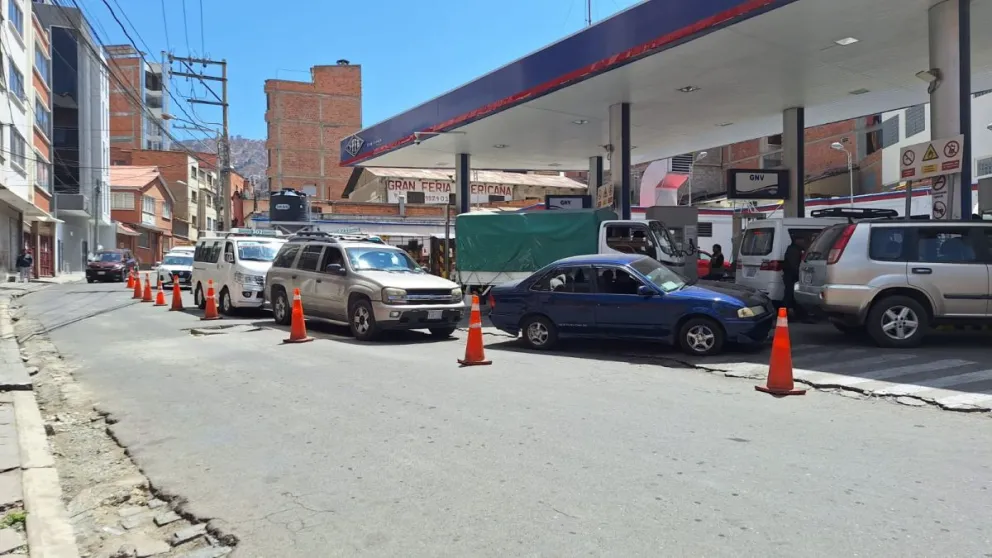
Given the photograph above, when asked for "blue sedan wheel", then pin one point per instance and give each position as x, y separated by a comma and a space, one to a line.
538, 332
701, 337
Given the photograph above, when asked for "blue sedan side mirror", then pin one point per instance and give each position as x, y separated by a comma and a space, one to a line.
645, 290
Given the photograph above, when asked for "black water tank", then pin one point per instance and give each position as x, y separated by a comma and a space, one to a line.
288, 206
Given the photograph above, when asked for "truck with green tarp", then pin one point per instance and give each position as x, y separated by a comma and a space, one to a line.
507, 246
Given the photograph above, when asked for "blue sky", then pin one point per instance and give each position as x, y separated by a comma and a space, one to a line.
410, 51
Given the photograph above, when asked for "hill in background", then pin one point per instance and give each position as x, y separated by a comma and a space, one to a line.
247, 156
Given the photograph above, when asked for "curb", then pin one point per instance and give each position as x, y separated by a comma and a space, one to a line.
49, 532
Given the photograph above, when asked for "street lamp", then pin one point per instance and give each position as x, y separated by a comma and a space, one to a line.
698, 157
838, 146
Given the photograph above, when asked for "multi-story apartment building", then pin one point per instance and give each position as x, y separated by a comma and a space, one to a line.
193, 183
80, 139
25, 189
306, 121
138, 100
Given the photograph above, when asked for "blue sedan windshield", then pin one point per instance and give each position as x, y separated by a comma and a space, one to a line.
662, 277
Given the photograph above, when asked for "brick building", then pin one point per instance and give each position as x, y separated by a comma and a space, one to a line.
132, 124
306, 121
193, 183
140, 200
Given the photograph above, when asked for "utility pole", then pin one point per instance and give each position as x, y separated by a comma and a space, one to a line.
588, 13
224, 144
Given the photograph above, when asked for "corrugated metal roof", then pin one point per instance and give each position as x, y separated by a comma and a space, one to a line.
482, 176
127, 176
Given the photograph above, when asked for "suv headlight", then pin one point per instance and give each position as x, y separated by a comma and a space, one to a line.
456, 295
248, 279
750, 312
391, 295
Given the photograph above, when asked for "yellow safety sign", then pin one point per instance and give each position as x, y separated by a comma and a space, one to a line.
931, 154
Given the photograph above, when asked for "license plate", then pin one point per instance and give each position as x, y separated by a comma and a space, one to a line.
434, 314
101, 272
750, 271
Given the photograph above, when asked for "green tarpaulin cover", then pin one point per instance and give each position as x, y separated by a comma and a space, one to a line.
526, 241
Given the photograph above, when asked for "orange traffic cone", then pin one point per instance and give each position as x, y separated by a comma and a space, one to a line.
137, 286
177, 295
475, 354
160, 295
147, 296
211, 311
780, 367
297, 326
130, 279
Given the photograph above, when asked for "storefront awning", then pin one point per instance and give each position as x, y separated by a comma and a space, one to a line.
151, 228
30, 211
126, 230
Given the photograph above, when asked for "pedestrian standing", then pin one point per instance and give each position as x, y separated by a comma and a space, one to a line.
790, 275
716, 264
24, 264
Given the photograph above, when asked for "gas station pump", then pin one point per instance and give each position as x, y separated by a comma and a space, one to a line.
683, 222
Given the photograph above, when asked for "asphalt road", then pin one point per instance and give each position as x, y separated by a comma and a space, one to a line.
337, 448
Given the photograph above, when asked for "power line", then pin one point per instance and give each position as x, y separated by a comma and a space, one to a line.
165, 26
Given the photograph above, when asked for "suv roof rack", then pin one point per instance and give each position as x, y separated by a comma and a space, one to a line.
334, 237
852, 213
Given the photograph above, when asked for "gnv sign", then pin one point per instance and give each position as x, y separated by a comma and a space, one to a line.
758, 184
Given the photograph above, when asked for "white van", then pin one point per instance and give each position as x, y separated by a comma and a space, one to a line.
762, 251
236, 262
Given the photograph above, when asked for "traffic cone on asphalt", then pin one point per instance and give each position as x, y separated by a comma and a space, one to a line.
147, 296
177, 295
211, 311
475, 354
160, 295
137, 286
780, 367
297, 325
130, 279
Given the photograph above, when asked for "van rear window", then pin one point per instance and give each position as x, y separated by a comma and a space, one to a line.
823, 242
757, 242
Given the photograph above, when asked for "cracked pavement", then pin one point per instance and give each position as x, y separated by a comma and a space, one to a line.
339, 448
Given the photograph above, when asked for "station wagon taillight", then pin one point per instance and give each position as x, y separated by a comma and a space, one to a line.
771, 265
838, 248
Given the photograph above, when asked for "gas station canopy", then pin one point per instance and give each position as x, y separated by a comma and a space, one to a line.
697, 74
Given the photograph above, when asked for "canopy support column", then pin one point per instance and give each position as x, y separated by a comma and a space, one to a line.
595, 176
793, 155
950, 100
463, 182
620, 157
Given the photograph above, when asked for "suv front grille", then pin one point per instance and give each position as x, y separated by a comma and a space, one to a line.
422, 296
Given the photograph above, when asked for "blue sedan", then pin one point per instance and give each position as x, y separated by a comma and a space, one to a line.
629, 296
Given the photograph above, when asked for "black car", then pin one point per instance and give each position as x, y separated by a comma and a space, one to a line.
111, 265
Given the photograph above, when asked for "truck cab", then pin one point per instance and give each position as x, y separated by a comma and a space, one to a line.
649, 238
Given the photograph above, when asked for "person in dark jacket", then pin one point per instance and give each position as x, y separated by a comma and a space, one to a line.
716, 264
790, 274
24, 264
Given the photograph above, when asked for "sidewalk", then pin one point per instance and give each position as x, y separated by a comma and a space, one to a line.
30, 492
16, 289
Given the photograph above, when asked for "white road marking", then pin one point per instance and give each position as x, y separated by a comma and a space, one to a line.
834, 356
899, 371
865, 362
942, 382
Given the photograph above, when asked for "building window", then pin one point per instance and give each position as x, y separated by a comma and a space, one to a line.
42, 173
148, 210
122, 200
16, 16
16, 80
42, 64
145, 240
682, 163
984, 167
42, 116
18, 149
192, 196
166, 210
916, 120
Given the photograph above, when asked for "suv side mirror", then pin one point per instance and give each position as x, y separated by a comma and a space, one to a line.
158, 264
336, 269
645, 290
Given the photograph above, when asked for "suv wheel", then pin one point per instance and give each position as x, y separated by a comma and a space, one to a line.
897, 321
362, 321
280, 307
226, 306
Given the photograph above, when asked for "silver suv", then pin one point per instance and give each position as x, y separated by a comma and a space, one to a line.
366, 285
896, 279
